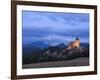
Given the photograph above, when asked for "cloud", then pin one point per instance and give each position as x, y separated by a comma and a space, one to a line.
55, 27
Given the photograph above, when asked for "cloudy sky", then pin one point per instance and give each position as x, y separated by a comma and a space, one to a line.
54, 27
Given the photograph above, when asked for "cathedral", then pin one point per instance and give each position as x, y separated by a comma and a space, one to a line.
74, 44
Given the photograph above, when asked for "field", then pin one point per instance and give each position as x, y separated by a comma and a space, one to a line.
76, 62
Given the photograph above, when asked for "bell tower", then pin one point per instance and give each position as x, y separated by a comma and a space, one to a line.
77, 42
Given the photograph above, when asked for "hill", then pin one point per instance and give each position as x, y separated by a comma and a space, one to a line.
53, 53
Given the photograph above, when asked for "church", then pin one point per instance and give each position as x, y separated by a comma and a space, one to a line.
74, 44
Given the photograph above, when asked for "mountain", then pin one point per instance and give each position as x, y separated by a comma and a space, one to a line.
41, 52
85, 45
40, 44
29, 49
62, 45
34, 47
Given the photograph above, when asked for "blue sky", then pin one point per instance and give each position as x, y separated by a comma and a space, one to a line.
54, 27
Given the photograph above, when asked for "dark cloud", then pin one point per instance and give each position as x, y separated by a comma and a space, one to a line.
54, 27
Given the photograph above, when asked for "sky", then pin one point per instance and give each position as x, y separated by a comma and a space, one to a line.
54, 27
